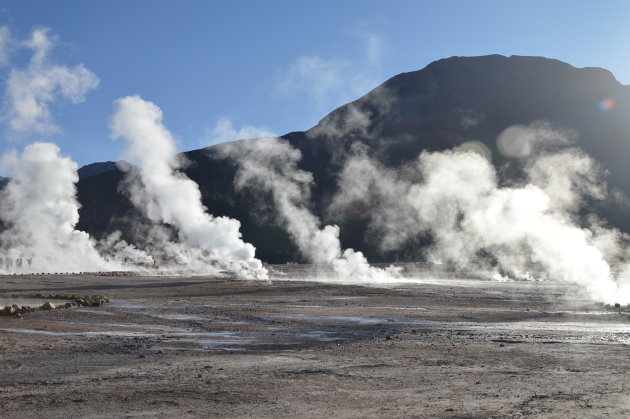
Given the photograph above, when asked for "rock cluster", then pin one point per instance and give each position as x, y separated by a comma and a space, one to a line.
76, 301
15, 310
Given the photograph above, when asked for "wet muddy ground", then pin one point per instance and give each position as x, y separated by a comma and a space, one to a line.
217, 347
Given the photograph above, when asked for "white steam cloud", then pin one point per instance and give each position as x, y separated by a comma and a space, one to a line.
30, 91
118, 251
40, 210
314, 76
166, 195
527, 231
271, 164
225, 131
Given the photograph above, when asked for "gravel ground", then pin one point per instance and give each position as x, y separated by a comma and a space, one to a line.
217, 347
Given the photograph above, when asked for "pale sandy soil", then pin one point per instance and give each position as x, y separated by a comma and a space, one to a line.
207, 347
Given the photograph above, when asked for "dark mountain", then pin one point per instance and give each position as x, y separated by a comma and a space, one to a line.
450, 102
94, 169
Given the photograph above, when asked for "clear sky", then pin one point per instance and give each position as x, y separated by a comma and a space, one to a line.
220, 69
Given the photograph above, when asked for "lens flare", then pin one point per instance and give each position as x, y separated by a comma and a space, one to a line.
607, 104
477, 147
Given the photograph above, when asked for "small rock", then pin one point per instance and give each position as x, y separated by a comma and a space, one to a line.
48, 306
18, 315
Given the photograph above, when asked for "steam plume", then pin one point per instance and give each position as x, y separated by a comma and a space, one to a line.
115, 249
225, 130
526, 231
271, 164
166, 195
40, 209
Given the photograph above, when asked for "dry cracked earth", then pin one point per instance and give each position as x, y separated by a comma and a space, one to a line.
220, 347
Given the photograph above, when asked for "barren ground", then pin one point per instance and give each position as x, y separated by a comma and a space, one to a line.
199, 346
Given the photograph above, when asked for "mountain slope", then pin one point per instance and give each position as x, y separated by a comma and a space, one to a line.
448, 103
94, 169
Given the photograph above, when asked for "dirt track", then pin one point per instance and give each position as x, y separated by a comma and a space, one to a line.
199, 346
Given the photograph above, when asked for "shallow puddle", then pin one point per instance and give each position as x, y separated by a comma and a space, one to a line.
126, 305
208, 340
190, 317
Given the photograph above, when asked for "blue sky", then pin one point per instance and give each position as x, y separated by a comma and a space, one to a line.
220, 69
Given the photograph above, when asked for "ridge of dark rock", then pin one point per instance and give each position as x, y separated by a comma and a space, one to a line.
447, 103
